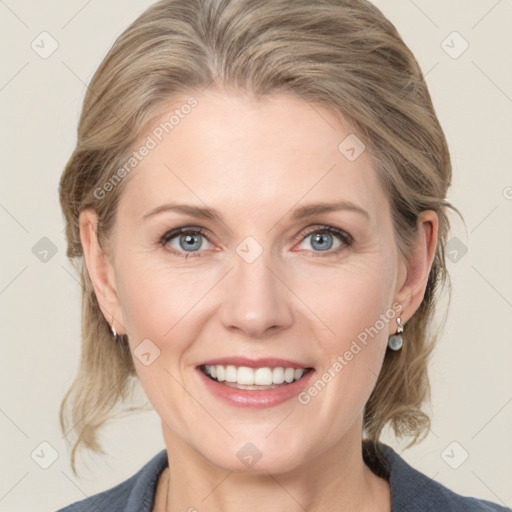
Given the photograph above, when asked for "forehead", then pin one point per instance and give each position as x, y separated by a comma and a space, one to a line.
234, 151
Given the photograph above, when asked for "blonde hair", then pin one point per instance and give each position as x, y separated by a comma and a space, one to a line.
341, 54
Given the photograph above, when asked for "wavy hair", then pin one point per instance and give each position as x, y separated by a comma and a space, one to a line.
341, 54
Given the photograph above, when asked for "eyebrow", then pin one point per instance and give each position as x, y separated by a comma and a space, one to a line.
299, 213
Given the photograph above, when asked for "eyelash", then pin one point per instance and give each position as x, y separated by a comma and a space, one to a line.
346, 239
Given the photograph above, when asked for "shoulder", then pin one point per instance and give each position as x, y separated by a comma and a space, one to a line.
134, 494
412, 490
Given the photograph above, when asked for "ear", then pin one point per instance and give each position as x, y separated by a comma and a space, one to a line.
100, 271
418, 265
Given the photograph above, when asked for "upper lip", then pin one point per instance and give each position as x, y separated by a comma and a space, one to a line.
263, 362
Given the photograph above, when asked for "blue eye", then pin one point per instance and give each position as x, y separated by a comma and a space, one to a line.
322, 240
191, 240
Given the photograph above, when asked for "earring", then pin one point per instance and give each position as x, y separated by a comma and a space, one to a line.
395, 341
114, 332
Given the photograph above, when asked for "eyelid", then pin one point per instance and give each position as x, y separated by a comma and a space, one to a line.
316, 228
346, 238
173, 233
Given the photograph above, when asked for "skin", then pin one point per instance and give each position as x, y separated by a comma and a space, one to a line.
255, 162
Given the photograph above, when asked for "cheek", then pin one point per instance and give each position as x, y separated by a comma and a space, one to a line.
150, 295
355, 307
161, 303
348, 298
155, 304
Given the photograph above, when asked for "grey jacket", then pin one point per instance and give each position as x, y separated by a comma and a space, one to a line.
410, 490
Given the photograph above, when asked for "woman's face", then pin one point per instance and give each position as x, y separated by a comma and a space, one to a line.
264, 278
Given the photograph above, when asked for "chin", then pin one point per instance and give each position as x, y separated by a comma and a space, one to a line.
254, 457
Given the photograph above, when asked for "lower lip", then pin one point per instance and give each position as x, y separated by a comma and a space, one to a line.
258, 399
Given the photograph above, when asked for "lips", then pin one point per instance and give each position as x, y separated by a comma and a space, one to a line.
257, 397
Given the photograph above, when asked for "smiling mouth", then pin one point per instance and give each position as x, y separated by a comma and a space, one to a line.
253, 379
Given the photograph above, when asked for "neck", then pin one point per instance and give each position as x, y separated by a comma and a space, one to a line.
338, 480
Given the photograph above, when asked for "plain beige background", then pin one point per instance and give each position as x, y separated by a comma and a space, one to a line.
40, 100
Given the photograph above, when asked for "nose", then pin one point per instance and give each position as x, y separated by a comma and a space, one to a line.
255, 299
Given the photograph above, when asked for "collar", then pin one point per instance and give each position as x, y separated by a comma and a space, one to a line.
410, 489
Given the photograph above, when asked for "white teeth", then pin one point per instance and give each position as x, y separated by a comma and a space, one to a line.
278, 375
289, 374
254, 376
245, 376
231, 373
262, 376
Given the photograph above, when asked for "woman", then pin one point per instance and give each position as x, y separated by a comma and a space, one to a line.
257, 206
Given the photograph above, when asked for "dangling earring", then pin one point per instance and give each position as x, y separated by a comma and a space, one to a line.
395, 341
114, 332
